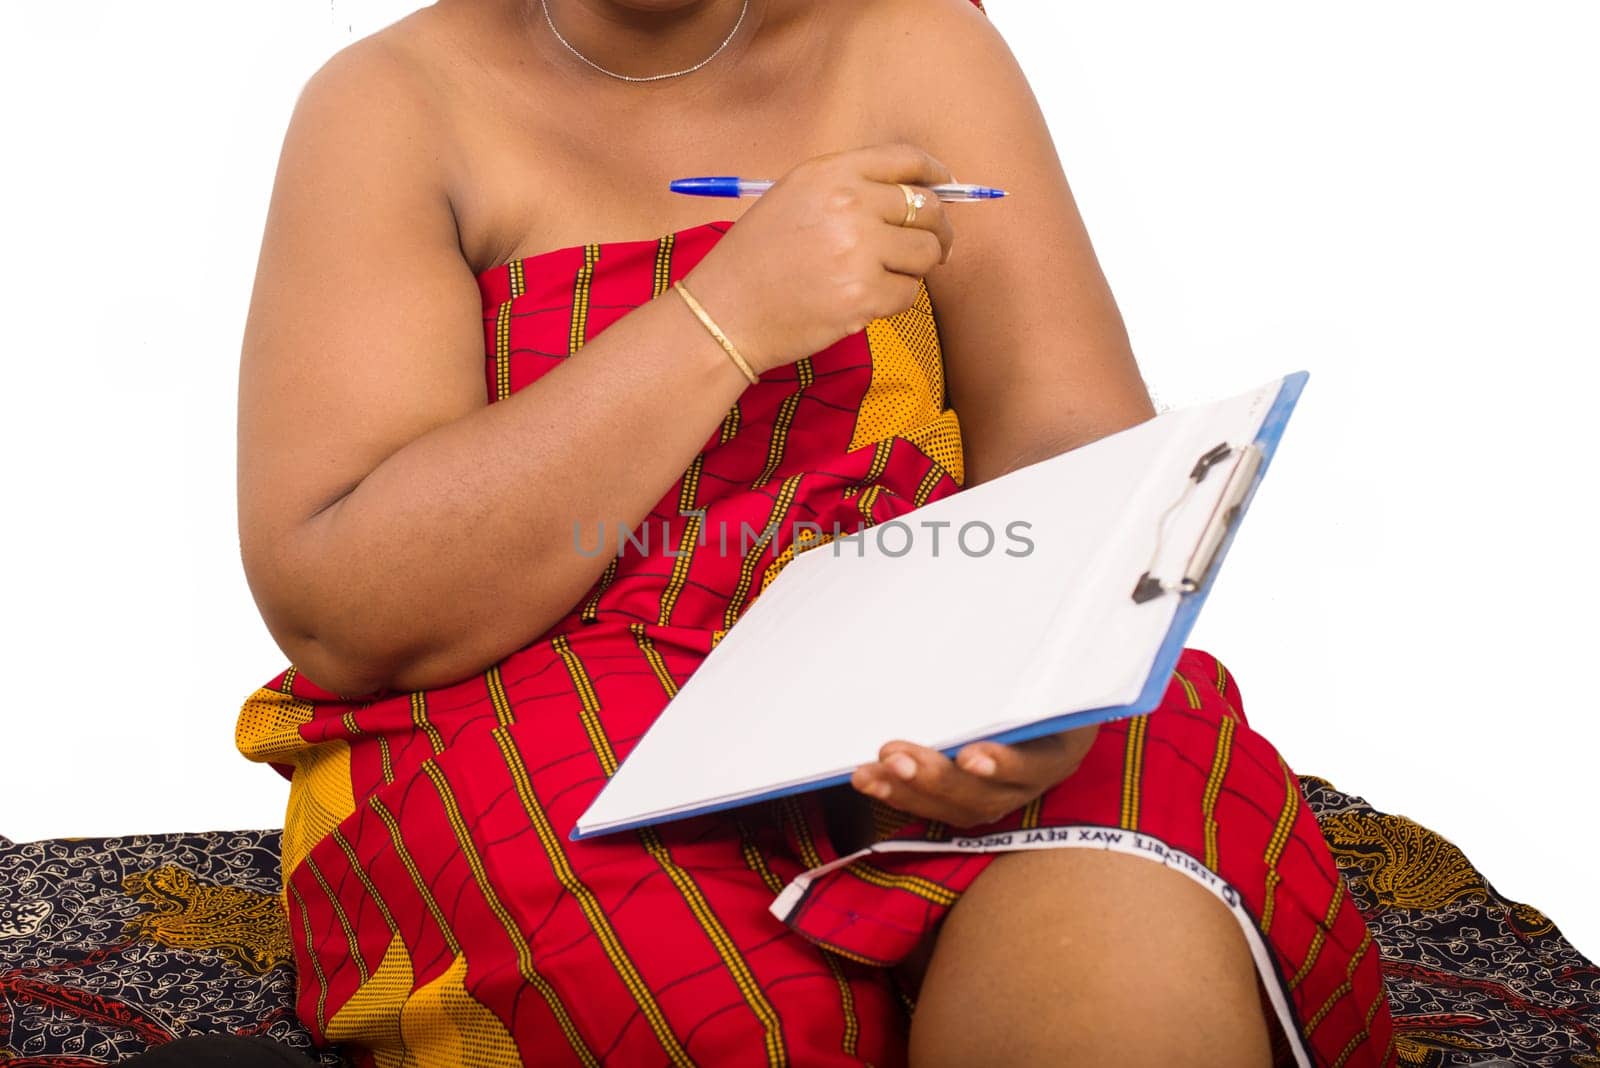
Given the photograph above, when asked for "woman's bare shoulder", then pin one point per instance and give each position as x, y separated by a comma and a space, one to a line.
914, 55
386, 71
897, 27
381, 108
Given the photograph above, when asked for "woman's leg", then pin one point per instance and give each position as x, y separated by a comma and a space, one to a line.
1075, 956
1051, 940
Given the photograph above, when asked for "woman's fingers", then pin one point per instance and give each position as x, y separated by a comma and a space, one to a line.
1039, 762
985, 782
912, 244
991, 805
999, 763
888, 165
915, 250
926, 783
899, 161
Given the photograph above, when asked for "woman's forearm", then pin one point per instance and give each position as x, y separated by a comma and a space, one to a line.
463, 546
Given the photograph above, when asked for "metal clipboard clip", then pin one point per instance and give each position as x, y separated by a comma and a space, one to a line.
1223, 517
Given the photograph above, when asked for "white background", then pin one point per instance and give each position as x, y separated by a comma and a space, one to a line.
1398, 197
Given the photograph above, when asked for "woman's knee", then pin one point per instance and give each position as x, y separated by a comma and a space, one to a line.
1078, 953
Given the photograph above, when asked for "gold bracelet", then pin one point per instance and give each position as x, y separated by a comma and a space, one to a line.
722, 339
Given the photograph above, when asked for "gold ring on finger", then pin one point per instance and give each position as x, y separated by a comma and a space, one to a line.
914, 200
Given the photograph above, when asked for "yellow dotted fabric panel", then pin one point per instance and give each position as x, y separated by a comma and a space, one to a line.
320, 794
320, 798
444, 1024
372, 1015
268, 727
906, 397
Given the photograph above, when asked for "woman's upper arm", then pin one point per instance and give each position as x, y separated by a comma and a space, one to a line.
1036, 353
364, 329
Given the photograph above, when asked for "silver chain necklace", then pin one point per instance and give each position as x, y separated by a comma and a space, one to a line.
652, 77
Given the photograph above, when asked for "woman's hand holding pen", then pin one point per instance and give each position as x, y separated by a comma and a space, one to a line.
985, 782
823, 252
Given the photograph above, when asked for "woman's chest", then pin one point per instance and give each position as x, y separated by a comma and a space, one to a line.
521, 200
523, 180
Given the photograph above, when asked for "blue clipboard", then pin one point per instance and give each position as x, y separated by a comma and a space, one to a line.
1192, 596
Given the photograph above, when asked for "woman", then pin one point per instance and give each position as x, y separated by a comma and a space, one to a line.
488, 178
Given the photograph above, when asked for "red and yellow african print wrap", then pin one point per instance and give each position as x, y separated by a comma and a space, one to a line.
441, 915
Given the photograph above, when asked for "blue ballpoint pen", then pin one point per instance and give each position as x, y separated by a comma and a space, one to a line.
730, 186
